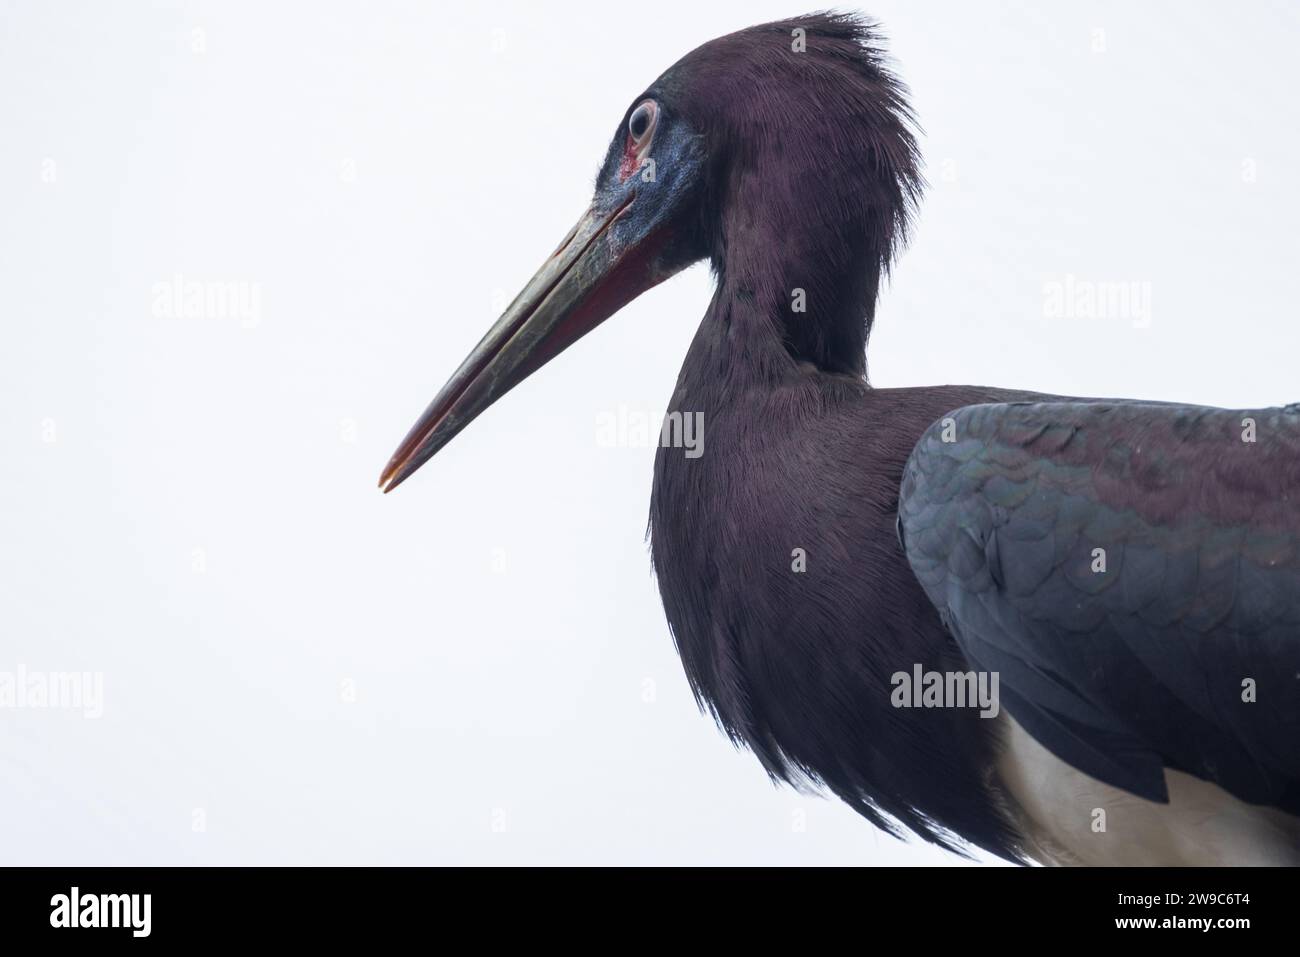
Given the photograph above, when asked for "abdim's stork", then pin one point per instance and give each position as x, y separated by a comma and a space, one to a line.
845, 565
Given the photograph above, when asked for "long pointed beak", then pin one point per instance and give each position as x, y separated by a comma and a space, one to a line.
586, 280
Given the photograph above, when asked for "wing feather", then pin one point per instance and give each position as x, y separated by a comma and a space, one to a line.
1132, 572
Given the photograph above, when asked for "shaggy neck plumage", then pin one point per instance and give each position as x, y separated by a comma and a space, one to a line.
798, 275
815, 176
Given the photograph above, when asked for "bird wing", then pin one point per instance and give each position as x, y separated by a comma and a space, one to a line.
1132, 573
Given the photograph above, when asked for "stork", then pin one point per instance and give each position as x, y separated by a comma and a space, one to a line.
1124, 576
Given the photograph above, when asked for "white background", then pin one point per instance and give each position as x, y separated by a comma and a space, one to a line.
204, 528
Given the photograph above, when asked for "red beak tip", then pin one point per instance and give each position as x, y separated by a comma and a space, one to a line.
391, 478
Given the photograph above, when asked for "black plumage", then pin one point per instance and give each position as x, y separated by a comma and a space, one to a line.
1132, 571
798, 581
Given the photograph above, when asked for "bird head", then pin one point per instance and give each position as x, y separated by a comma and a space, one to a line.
791, 137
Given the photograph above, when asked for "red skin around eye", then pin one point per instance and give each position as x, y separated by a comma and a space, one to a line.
631, 161
634, 148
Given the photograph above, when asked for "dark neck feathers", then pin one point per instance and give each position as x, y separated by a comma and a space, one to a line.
815, 176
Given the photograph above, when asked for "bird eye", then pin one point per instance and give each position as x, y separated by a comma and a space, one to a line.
642, 120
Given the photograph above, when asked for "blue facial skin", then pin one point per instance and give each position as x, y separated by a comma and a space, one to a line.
667, 194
